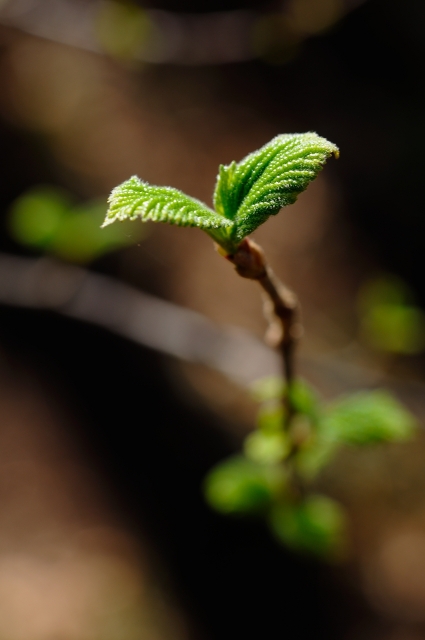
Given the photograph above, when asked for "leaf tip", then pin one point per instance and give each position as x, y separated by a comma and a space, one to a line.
107, 222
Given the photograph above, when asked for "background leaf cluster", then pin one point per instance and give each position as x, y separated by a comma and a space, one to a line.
274, 476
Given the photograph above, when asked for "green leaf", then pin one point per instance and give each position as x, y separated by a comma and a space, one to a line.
367, 417
267, 448
363, 418
36, 215
389, 319
304, 399
238, 485
246, 194
315, 526
395, 328
269, 179
45, 219
137, 199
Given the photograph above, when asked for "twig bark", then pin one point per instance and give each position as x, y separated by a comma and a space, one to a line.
284, 325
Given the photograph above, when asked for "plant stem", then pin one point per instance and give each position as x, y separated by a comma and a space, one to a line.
284, 325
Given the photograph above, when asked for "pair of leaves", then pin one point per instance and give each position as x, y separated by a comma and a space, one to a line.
246, 193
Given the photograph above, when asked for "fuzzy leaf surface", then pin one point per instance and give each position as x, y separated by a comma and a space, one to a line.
261, 184
137, 199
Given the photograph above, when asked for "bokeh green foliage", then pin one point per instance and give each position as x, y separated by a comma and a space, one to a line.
274, 476
122, 28
46, 219
390, 321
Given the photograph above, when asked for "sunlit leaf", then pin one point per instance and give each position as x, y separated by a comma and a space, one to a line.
136, 199
246, 194
261, 184
367, 417
316, 525
238, 485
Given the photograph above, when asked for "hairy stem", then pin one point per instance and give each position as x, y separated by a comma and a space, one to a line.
284, 325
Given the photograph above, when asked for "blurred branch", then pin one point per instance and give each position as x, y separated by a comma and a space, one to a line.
78, 293
63, 21
48, 284
176, 37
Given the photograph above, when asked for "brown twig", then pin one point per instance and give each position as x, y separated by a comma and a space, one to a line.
284, 326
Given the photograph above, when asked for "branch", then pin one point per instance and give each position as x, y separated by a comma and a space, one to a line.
284, 326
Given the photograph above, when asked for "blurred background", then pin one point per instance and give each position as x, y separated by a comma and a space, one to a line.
125, 353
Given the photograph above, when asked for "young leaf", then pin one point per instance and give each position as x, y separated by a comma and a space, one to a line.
316, 525
367, 417
239, 485
137, 199
269, 179
364, 418
246, 193
267, 448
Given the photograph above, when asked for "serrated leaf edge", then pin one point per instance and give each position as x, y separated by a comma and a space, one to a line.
150, 207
